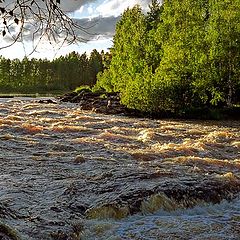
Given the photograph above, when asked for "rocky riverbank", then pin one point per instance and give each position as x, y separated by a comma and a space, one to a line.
107, 103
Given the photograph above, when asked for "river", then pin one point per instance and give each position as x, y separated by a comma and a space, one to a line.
70, 174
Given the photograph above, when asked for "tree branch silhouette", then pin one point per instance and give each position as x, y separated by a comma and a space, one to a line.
35, 20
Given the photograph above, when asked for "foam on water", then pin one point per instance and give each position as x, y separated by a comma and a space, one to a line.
204, 221
69, 173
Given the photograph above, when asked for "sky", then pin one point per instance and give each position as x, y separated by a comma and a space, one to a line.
105, 13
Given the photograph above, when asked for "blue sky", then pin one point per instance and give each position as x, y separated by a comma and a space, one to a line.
106, 12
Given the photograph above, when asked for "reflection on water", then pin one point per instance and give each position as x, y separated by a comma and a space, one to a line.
69, 174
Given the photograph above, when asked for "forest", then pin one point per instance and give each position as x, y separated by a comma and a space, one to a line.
183, 54
62, 74
180, 55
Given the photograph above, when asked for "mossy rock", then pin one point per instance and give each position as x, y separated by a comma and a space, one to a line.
84, 88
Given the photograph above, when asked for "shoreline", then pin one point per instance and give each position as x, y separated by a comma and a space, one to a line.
109, 103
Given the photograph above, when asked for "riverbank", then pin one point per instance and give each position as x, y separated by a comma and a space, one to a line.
109, 103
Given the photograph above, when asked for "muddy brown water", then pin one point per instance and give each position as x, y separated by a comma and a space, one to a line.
70, 174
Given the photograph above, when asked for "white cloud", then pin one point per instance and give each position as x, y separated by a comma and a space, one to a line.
101, 14
80, 9
45, 50
90, 10
116, 7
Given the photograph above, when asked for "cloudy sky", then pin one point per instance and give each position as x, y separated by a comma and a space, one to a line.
105, 13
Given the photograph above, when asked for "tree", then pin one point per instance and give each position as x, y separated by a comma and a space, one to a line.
24, 19
223, 37
95, 66
128, 51
135, 56
153, 46
154, 14
41, 75
183, 51
181, 55
5, 82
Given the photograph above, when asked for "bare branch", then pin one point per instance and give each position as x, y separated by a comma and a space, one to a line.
38, 20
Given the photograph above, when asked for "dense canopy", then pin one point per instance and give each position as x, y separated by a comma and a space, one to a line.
183, 54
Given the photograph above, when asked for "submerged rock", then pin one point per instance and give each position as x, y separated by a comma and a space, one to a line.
167, 195
108, 211
79, 159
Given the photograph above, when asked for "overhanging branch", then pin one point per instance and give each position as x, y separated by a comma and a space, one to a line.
35, 20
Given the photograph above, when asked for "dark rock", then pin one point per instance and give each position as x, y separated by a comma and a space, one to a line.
79, 159
170, 194
99, 102
8, 233
47, 101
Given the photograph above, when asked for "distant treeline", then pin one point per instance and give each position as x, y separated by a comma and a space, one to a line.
183, 54
41, 75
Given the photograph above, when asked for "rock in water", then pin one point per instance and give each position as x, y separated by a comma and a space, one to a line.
79, 159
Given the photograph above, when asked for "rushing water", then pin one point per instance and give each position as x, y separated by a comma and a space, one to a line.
69, 174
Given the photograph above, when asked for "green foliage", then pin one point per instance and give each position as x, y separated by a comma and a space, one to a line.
223, 39
153, 17
128, 60
41, 75
182, 55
